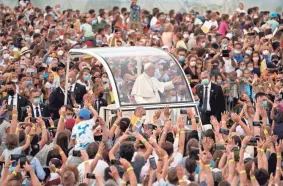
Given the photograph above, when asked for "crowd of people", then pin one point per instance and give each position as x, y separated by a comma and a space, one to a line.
233, 63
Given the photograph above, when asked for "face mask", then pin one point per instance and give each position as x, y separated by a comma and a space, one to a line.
219, 81
213, 40
36, 100
58, 9
27, 55
45, 76
94, 22
246, 60
181, 58
6, 56
104, 80
14, 80
186, 36
86, 78
84, 46
264, 103
224, 46
193, 63
250, 69
205, 82
242, 68
11, 92
265, 52
60, 52
68, 117
203, 45
98, 41
237, 51
28, 83
255, 59
146, 21
249, 52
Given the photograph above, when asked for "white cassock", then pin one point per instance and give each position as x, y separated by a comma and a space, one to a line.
146, 90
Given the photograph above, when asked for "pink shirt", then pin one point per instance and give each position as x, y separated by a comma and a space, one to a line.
223, 27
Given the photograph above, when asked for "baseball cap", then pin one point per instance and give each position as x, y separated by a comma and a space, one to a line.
84, 114
273, 15
69, 123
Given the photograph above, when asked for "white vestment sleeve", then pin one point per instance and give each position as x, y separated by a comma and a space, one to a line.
140, 99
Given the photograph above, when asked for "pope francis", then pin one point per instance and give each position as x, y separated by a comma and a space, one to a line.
146, 87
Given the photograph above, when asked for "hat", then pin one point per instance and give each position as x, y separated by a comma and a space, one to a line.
47, 8
69, 124
84, 114
273, 15
147, 65
25, 50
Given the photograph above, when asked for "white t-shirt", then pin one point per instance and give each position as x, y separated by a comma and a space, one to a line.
214, 23
7, 153
153, 22
228, 65
83, 134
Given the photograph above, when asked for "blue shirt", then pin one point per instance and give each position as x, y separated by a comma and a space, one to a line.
238, 58
135, 12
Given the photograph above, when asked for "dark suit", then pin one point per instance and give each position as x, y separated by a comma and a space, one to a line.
56, 101
21, 102
216, 101
44, 110
79, 92
98, 103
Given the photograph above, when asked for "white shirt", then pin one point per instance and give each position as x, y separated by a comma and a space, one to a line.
153, 22
208, 95
240, 11
72, 87
15, 100
34, 110
228, 65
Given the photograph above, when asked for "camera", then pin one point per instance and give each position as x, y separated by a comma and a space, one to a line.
90, 176
152, 127
152, 163
224, 131
115, 162
131, 138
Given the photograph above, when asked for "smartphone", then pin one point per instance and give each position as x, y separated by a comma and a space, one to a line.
90, 176
152, 163
219, 146
225, 53
17, 157
235, 148
33, 120
76, 153
115, 162
253, 140
261, 34
224, 131
183, 111
237, 155
131, 138
257, 123
9, 107
152, 127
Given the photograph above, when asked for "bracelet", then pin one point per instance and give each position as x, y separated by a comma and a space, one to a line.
43, 127
231, 161
123, 182
56, 170
166, 156
278, 157
115, 125
260, 150
207, 165
129, 169
18, 129
193, 119
177, 135
15, 173
98, 155
182, 132
243, 146
252, 177
15, 115
181, 181
265, 131
62, 117
28, 136
87, 161
222, 141
243, 172
143, 140
61, 152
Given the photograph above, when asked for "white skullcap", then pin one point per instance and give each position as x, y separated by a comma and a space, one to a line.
146, 66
